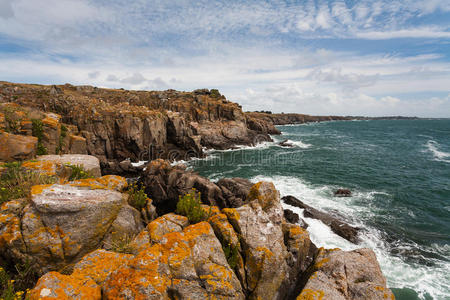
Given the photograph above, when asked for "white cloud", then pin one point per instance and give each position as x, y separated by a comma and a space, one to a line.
6, 10
426, 32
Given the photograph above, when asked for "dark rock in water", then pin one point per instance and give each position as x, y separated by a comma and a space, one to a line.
291, 216
339, 227
286, 143
343, 193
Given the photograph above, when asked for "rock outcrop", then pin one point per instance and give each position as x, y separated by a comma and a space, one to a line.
63, 222
116, 124
284, 119
342, 275
165, 183
17, 147
338, 226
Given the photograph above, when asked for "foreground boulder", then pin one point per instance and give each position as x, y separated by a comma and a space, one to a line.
63, 222
89, 163
339, 227
185, 265
346, 275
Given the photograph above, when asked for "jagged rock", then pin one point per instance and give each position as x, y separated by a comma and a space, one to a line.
88, 162
339, 227
63, 222
235, 190
17, 147
291, 216
346, 275
286, 143
259, 225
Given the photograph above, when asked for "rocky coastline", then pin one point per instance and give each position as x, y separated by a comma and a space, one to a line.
84, 230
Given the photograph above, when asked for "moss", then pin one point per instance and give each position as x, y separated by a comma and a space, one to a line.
38, 131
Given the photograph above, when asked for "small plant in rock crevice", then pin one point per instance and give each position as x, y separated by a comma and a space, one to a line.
232, 254
38, 131
62, 136
78, 172
122, 244
190, 206
137, 197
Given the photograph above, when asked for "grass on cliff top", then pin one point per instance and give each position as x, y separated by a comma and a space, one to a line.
16, 182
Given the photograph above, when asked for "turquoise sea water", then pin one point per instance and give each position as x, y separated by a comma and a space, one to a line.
399, 173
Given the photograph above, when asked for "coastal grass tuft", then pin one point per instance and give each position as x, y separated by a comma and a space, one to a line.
62, 136
16, 182
78, 172
16, 281
137, 197
123, 244
190, 206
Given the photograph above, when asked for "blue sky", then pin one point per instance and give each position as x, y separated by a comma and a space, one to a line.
319, 57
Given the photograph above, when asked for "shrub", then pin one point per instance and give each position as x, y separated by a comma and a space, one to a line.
16, 182
232, 254
137, 197
190, 206
78, 172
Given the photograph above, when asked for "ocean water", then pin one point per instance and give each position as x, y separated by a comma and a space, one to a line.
399, 173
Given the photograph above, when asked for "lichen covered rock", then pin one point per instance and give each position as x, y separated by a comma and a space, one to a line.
17, 147
346, 275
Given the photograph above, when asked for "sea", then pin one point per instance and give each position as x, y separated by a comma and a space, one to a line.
399, 175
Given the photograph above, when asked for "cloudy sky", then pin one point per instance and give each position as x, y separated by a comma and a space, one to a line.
377, 57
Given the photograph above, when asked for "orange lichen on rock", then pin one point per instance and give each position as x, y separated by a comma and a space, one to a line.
54, 285
108, 182
51, 120
38, 189
48, 168
309, 294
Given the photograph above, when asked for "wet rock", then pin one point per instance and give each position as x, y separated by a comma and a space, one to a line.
346, 275
339, 227
291, 216
286, 143
343, 193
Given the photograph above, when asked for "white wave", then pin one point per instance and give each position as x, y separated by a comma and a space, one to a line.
432, 147
139, 163
431, 280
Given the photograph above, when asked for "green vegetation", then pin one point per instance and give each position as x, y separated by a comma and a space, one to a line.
215, 93
62, 136
232, 255
11, 119
16, 182
38, 131
137, 197
190, 206
122, 245
15, 283
78, 172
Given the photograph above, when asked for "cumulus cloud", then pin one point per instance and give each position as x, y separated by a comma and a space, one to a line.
350, 81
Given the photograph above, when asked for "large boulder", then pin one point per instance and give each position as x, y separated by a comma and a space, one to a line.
17, 147
63, 222
88, 162
186, 264
346, 275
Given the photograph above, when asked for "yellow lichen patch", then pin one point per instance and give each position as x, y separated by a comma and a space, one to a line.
51, 121
99, 264
231, 213
43, 167
11, 229
38, 189
109, 182
264, 195
309, 294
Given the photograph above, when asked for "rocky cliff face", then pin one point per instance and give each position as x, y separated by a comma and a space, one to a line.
283, 119
117, 124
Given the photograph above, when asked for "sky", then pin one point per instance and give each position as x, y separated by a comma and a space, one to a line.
336, 57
